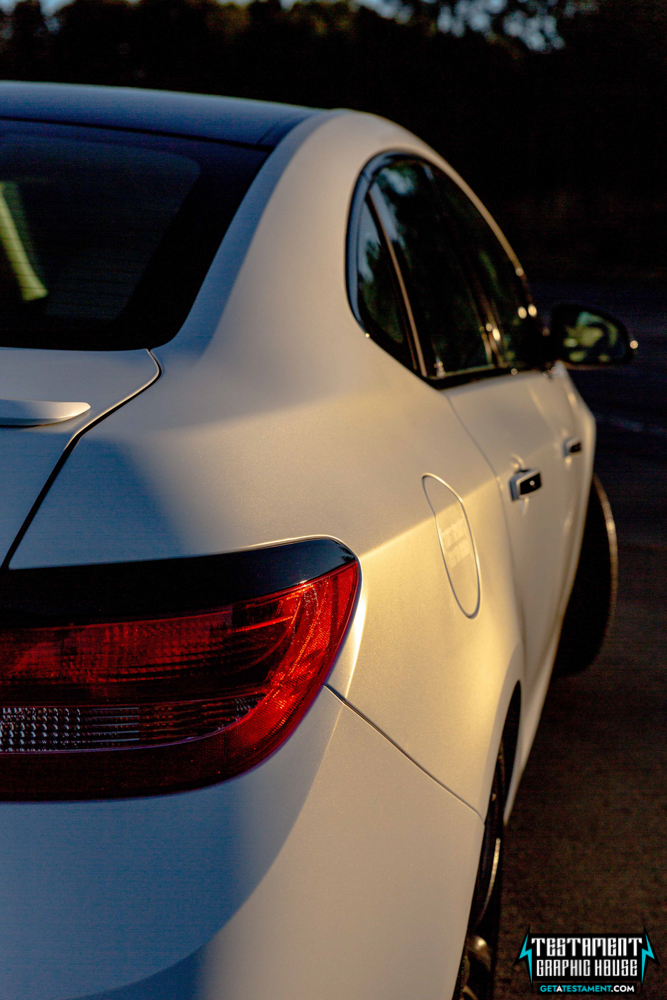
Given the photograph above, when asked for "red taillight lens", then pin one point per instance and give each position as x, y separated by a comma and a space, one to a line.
141, 707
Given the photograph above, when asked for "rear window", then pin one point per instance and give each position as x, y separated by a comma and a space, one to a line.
106, 236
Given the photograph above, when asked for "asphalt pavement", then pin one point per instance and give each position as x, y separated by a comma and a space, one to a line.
586, 847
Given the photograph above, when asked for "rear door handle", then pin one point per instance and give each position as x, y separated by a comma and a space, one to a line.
523, 482
571, 447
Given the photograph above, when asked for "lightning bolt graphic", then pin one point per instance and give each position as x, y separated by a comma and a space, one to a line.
647, 952
527, 953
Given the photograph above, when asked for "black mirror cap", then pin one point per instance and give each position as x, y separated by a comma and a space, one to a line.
588, 337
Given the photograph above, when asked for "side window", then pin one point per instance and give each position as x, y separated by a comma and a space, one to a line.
445, 314
506, 294
379, 298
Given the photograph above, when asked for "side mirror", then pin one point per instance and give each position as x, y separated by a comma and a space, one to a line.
580, 335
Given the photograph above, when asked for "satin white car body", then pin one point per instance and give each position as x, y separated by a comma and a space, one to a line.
344, 863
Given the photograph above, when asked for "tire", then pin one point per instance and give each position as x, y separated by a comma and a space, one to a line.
478, 963
591, 605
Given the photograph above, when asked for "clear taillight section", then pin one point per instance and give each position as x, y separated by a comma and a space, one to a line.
141, 707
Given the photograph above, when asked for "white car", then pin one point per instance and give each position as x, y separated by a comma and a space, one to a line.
294, 486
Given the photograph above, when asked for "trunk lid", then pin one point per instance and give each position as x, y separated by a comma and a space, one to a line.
47, 401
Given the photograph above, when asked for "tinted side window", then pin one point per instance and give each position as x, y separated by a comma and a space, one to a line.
444, 308
503, 288
378, 296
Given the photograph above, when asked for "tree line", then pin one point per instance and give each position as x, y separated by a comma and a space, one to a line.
564, 140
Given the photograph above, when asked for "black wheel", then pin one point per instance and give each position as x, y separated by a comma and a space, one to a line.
478, 964
591, 605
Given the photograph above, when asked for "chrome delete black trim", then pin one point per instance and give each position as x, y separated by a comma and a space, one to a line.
161, 588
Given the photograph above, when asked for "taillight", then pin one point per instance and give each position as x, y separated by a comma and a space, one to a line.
163, 704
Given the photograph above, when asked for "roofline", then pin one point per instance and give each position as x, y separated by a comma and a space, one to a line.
199, 116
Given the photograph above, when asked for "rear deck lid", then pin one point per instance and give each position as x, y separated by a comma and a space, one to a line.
47, 400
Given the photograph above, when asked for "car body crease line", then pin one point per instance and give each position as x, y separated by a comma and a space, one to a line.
401, 750
65, 455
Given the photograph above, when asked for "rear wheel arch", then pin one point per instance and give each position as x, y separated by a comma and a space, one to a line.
510, 738
478, 963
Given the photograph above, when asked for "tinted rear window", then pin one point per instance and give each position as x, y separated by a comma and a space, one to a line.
106, 236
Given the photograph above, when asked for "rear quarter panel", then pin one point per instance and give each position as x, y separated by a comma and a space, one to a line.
285, 421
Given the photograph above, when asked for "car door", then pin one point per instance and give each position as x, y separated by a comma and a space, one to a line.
525, 425
477, 336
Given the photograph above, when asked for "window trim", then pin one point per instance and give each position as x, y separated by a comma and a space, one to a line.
359, 199
362, 194
377, 211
